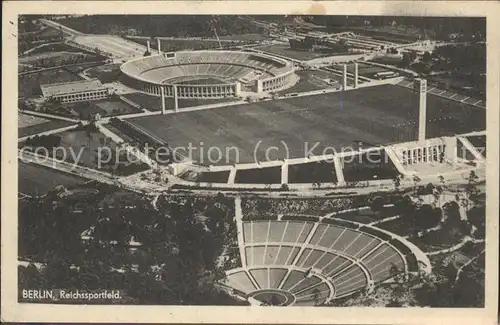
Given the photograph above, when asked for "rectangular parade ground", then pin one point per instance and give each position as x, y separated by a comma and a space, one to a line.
373, 115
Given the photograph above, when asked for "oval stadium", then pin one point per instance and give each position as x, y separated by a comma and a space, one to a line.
208, 74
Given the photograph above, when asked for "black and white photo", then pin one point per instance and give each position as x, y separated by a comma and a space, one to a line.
242, 160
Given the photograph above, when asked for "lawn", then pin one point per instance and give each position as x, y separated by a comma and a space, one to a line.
364, 70
363, 216
398, 226
479, 142
104, 107
24, 131
309, 81
214, 177
94, 150
369, 166
24, 120
319, 124
321, 171
111, 107
35, 180
153, 103
55, 47
434, 241
285, 50
266, 175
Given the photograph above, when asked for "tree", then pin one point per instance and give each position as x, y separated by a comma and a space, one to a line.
406, 61
416, 180
397, 182
427, 217
454, 227
476, 217
426, 57
316, 296
377, 204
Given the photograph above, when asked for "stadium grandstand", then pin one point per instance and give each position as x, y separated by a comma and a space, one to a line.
313, 262
226, 73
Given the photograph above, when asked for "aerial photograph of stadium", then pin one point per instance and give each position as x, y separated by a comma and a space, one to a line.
235, 160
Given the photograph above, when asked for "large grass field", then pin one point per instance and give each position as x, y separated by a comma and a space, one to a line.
24, 130
35, 180
374, 115
153, 103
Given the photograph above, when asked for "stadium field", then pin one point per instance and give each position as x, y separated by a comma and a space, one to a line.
153, 103
310, 124
35, 180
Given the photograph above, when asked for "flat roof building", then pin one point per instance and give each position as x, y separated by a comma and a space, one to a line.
75, 91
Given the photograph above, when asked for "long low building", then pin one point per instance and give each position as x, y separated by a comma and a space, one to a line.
75, 91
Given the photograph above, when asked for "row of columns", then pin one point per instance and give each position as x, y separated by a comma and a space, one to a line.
273, 83
434, 153
176, 100
344, 76
190, 91
149, 46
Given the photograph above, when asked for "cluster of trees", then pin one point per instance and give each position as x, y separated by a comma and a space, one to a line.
436, 27
175, 263
306, 44
65, 60
459, 57
447, 286
163, 25
48, 142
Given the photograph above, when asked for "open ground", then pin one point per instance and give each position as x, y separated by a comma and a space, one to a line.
375, 116
284, 49
35, 180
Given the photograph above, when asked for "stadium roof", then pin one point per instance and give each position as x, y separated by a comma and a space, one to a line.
49, 90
